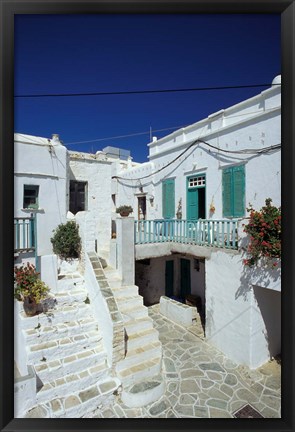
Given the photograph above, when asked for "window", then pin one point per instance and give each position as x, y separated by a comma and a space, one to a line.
31, 194
233, 191
168, 199
196, 181
77, 196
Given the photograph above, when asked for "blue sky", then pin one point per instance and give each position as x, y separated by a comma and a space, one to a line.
109, 53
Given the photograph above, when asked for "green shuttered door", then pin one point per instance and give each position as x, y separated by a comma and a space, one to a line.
233, 191
168, 194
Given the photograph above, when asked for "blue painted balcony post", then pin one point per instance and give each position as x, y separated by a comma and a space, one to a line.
126, 249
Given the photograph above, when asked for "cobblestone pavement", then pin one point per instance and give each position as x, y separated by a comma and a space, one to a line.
201, 382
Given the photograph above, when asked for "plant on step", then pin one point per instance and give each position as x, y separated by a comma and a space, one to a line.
124, 210
29, 288
66, 240
264, 229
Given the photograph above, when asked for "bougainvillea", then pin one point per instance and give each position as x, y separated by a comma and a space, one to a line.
264, 230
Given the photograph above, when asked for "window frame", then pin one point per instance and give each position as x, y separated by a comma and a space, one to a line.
36, 189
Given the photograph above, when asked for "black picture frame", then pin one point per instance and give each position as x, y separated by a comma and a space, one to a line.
8, 9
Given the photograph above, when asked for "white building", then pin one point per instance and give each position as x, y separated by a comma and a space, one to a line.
226, 161
189, 204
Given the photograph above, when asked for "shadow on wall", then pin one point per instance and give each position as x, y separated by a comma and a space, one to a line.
269, 304
262, 275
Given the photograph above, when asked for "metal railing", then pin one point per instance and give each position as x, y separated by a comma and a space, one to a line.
25, 236
216, 233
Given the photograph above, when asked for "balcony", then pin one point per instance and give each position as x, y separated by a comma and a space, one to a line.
201, 232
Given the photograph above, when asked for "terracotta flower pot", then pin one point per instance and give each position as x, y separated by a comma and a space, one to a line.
124, 214
30, 306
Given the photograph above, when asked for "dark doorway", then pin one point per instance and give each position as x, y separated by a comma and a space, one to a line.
77, 196
169, 278
185, 277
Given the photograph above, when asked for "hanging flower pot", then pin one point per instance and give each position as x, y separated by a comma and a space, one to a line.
124, 210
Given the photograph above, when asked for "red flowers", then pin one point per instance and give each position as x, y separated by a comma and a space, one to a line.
264, 229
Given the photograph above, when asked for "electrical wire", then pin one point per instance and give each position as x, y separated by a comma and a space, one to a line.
199, 141
141, 91
161, 130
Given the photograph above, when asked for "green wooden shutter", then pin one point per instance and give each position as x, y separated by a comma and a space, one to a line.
168, 195
227, 192
238, 177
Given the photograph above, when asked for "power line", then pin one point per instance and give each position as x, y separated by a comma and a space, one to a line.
199, 141
141, 91
158, 130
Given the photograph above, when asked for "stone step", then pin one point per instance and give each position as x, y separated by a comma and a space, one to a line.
140, 371
71, 383
140, 354
69, 283
79, 404
110, 272
125, 291
55, 316
138, 325
114, 282
143, 392
133, 313
136, 340
129, 302
60, 348
69, 297
53, 369
61, 330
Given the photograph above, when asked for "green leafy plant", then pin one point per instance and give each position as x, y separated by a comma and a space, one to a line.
264, 229
28, 285
66, 240
124, 209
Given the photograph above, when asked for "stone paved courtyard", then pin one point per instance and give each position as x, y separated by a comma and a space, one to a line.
201, 382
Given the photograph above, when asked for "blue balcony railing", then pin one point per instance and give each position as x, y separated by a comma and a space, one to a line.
204, 232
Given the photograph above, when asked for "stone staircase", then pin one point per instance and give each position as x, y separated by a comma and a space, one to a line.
65, 347
139, 372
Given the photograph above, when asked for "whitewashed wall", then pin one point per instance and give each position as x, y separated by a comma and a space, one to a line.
42, 162
252, 124
239, 317
97, 174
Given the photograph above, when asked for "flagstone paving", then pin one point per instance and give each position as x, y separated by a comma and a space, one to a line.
201, 382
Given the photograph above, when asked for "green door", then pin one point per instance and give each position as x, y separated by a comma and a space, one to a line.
192, 204
196, 196
169, 278
185, 277
168, 196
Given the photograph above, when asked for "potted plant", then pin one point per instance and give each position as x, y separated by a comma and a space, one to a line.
124, 210
29, 288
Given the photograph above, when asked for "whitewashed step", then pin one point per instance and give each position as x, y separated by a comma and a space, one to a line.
67, 284
58, 368
63, 347
140, 354
136, 340
133, 313
125, 291
72, 296
140, 371
114, 282
110, 273
143, 392
65, 329
71, 383
129, 302
57, 315
135, 326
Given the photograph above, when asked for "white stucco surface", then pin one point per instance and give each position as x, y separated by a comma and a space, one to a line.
236, 323
97, 174
125, 249
177, 312
41, 162
49, 271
